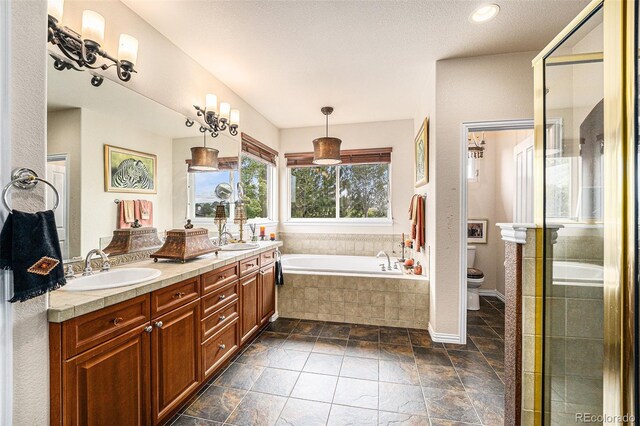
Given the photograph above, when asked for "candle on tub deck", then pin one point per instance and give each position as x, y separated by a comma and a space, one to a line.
407, 243
263, 231
272, 236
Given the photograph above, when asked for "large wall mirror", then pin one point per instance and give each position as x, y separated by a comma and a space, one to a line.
109, 144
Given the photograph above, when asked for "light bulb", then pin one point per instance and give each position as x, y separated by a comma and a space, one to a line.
211, 103
234, 117
55, 9
485, 13
92, 26
225, 109
128, 49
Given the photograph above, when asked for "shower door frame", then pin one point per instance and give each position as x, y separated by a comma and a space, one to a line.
619, 381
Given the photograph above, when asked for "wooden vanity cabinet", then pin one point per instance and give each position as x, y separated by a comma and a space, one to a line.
175, 358
267, 293
136, 362
250, 309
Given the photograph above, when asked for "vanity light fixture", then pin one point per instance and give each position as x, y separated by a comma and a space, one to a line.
476, 148
485, 13
203, 158
83, 50
217, 120
326, 150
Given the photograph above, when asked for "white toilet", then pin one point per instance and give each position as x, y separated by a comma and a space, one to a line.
475, 278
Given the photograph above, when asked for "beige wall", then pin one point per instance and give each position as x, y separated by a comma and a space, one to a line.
64, 137
28, 129
395, 134
492, 197
99, 212
498, 87
165, 73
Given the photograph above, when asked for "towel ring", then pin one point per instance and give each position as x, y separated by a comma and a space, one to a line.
26, 179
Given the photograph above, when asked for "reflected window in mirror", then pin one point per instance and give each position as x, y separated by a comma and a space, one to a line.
205, 198
258, 180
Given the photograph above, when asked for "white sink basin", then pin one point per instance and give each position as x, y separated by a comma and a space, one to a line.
115, 278
239, 246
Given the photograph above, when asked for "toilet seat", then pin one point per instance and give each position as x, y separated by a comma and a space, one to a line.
475, 279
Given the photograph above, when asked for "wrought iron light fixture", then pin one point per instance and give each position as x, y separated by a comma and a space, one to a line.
217, 120
476, 148
203, 158
83, 50
326, 150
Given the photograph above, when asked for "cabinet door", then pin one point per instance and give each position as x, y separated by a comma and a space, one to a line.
109, 384
267, 293
250, 318
175, 358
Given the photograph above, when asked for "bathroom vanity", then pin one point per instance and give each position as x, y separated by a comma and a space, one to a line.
135, 355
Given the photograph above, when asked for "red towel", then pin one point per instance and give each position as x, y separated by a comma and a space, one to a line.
420, 224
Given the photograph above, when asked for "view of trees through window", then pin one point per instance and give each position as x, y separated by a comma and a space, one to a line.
206, 200
362, 191
254, 181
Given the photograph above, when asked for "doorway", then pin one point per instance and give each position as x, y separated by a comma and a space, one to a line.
58, 175
478, 178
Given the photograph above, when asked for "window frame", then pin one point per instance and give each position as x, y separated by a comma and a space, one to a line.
363, 221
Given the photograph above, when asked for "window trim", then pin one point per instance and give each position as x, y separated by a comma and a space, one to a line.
338, 221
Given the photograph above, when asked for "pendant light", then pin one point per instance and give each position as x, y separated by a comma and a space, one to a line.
326, 150
203, 158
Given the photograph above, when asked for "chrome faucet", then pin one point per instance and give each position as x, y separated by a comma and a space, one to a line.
223, 232
106, 265
382, 253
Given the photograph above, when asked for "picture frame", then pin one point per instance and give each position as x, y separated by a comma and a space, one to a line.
477, 231
421, 155
130, 171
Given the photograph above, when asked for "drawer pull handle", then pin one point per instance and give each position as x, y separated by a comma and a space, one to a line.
222, 318
221, 277
116, 321
222, 346
249, 265
222, 296
179, 295
159, 324
148, 329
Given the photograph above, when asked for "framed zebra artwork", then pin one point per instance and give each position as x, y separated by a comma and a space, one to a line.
126, 170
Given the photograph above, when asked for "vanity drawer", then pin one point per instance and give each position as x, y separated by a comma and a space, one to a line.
219, 348
267, 257
249, 265
219, 277
174, 296
223, 316
87, 331
219, 298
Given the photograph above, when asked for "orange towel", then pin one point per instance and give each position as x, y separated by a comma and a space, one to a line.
126, 214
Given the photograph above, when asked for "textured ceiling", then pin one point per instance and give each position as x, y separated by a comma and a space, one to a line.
368, 59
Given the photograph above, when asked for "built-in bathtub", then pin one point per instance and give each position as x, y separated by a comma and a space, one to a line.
352, 289
577, 274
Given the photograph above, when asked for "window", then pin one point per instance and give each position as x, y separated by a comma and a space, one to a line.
203, 192
256, 177
357, 190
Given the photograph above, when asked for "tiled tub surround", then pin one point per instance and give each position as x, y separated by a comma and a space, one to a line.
341, 244
376, 300
64, 305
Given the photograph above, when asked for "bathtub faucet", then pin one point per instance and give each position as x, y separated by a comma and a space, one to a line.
382, 253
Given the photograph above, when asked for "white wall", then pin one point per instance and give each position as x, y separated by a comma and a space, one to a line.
497, 87
492, 198
99, 212
64, 137
396, 134
165, 73
28, 129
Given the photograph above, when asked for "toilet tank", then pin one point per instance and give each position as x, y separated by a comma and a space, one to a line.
471, 256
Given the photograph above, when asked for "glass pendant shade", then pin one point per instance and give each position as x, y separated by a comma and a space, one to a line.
204, 159
326, 151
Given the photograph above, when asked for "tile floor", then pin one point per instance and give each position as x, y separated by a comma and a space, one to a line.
307, 373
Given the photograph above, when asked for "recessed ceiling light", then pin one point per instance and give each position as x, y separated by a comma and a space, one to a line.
485, 13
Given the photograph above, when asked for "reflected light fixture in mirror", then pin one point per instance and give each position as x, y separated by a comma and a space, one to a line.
217, 120
203, 158
83, 51
484, 13
326, 150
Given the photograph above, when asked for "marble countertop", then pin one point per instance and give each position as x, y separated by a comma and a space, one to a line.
64, 305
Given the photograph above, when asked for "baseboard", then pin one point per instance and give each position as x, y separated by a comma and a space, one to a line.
274, 317
443, 337
491, 293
